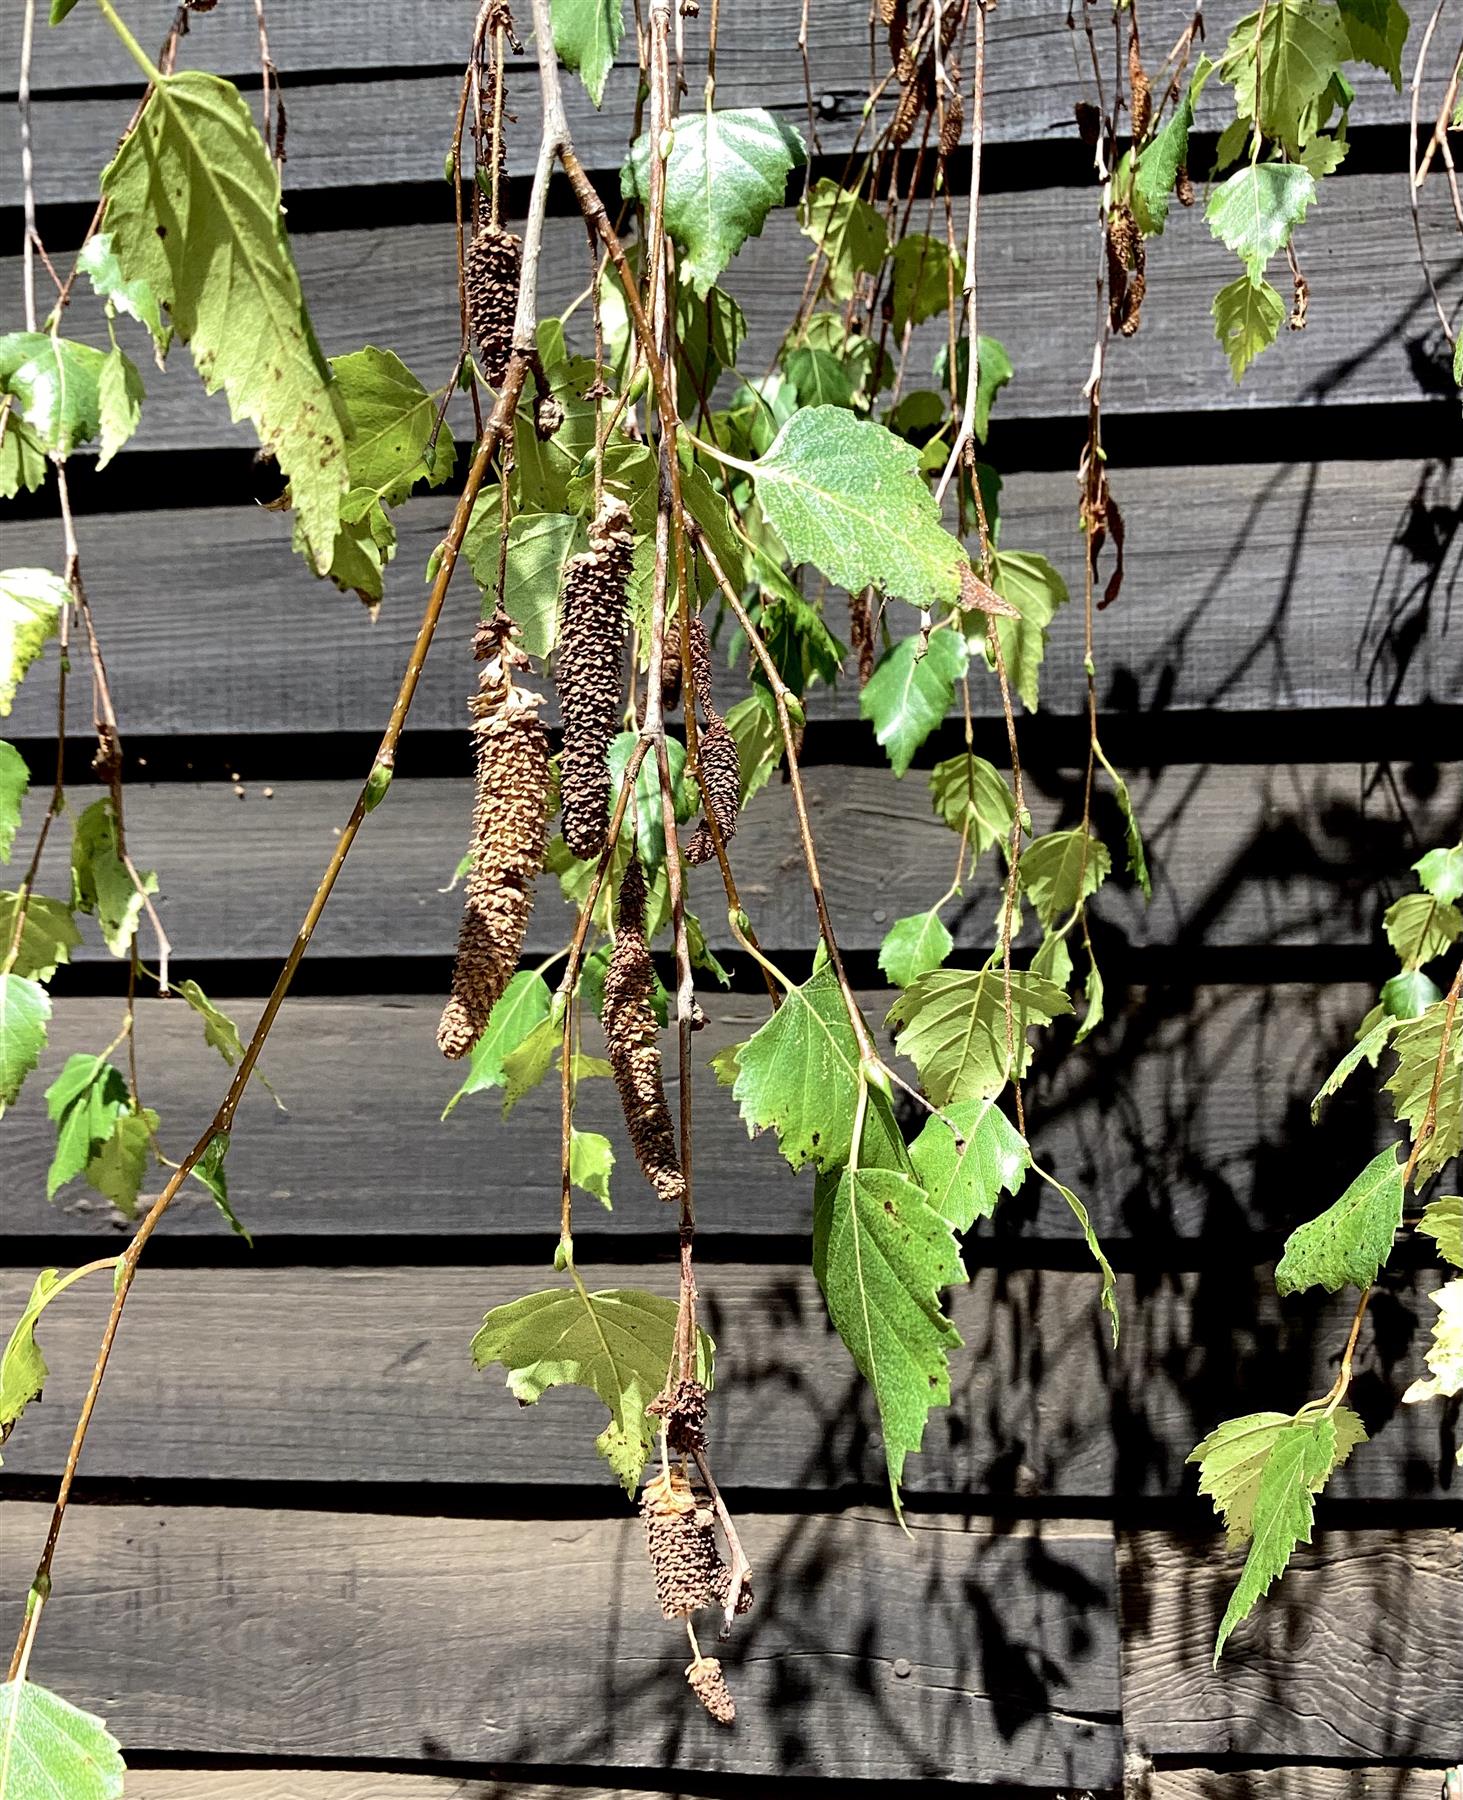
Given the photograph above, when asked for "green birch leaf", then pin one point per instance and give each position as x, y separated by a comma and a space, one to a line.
887, 1257
617, 1343
100, 883
1445, 1353
965, 1176
526, 1065
98, 261
118, 1166
649, 826
1093, 994
819, 377
911, 691
587, 34
23, 1368
1457, 382
1418, 1043
952, 1026
1059, 871
523, 1005
591, 1162
539, 545
914, 946
47, 937
1377, 31
209, 1170
50, 1749
846, 495
1442, 1220
993, 371
219, 1030
851, 234
799, 1075
84, 1102
55, 385
25, 1012
920, 279
1441, 873
1256, 210
30, 611
753, 723
1367, 1048
1297, 1468
1247, 319
193, 209
1090, 1238
1351, 1240
1295, 46
725, 173
23, 462
1232, 1459
1323, 156
1420, 927
1132, 835
971, 795
119, 403
1409, 995
14, 784
1053, 960
1036, 590
1160, 160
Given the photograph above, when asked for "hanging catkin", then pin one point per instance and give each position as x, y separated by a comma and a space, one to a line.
490, 274
633, 1038
589, 673
720, 769
509, 831
680, 1536
708, 1684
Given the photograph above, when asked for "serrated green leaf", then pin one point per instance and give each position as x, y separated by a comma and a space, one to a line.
971, 795
1059, 871
617, 1343
799, 1075
887, 1257
1367, 1048
85, 1103
911, 691
193, 209
819, 377
1092, 992
23, 463
914, 946
1296, 1469
1090, 1238
25, 1012
51, 1750
209, 1170
1420, 927
591, 1162
47, 937
649, 825
118, 1166
753, 723
587, 34
1445, 1353
539, 545
1351, 1240
994, 369
1324, 155
1232, 1459
14, 784
529, 1061
1409, 995
1256, 210
1295, 47
30, 611
851, 234
100, 883
1377, 31
725, 173
965, 1177
952, 1026
1160, 160
523, 1005
846, 495
1247, 319
98, 261
920, 276
1418, 1043
1442, 1220
1441, 873
119, 403
54, 383
23, 1368
219, 1030
1132, 833
1036, 590
1053, 959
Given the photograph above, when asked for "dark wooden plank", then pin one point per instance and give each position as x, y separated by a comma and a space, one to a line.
971, 1650
1366, 342
362, 1375
1288, 588
1355, 1655
1316, 1782
1242, 856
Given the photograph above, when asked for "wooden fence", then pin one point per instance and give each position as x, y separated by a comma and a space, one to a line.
316, 1557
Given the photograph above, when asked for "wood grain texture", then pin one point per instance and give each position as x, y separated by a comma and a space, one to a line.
1241, 856
359, 1784
1295, 1783
1369, 340
1183, 1122
529, 1641
1253, 588
362, 1375
1355, 1655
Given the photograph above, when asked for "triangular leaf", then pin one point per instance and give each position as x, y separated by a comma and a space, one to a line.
1441, 873
14, 783
1351, 1240
1442, 1220
1256, 210
25, 1012
1420, 927
1445, 1353
952, 1025
971, 795
587, 34
1247, 318
55, 386
1419, 1043
591, 1163
100, 882
1060, 870
1036, 590
799, 1074
522, 1005
30, 610
914, 946
851, 234
910, 692
23, 1368
965, 1177
47, 937
1232, 1459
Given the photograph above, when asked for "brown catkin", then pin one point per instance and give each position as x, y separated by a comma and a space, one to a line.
1183, 187
684, 1412
954, 118
509, 832
589, 673
491, 269
720, 769
708, 1684
1141, 96
901, 127
680, 1537
634, 1043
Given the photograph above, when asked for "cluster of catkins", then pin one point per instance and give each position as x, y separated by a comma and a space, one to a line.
917, 63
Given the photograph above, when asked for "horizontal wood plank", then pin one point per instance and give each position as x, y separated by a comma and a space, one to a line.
1288, 588
1316, 1782
362, 1375
969, 1650
1355, 1655
1369, 340
1241, 856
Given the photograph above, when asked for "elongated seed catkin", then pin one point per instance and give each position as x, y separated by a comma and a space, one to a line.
708, 1684
490, 274
720, 769
589, 673
509, 833
633, 1038
680, 1537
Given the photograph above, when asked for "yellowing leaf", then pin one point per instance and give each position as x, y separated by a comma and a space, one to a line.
1232, 1459
1445, 1353
30, 610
